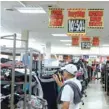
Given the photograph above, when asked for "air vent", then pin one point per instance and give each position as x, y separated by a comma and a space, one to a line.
50, 6
9, 9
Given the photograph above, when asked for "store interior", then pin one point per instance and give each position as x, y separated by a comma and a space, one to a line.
33, 49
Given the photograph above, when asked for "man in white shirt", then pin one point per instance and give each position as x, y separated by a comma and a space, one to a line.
67, 95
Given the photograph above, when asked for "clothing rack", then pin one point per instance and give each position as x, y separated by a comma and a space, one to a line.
15, 51
49, 86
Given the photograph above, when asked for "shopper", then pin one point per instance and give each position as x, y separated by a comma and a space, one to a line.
69, 94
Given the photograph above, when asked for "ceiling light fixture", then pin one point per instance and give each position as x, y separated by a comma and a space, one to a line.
65, 40
59, 35
68, 44
31, 10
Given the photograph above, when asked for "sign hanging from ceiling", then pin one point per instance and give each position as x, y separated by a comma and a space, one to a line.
85, 39
96, 18
95, 41
76, 22
56, 18
85, 43
75, 41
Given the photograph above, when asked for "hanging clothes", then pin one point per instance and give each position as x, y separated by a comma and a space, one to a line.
50, 93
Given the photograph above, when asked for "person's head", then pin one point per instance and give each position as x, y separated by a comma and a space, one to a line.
69, 71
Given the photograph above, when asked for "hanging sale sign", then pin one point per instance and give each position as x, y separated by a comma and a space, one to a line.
75, 41
96, 18
85, 43
95, 41
76, 22
86, 39
56, 19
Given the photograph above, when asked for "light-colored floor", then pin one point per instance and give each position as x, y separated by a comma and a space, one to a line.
97, 98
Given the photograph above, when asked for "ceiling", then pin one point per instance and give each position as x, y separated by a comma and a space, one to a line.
37, 24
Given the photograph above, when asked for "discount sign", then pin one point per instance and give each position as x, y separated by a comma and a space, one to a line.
85, 43
95, 41
56, 19
76, 22
75, 41
95, 19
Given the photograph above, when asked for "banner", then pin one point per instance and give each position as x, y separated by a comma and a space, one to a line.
75, 41
76, 22
56, 19
96, 18
95, 41
85, 43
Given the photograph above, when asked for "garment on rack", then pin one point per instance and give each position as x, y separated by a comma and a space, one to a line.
19, 82
50, 94
5, 102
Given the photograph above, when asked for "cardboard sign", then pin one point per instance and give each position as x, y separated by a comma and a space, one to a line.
95, 41
75, 41
56, 18
96, 18
85, 45
76, 22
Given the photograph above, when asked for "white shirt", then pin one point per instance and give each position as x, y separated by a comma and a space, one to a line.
68, 93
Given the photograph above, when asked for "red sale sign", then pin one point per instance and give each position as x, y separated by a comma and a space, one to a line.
96, 18
56, 18
85, 39
76, 22
75, 41
95, 41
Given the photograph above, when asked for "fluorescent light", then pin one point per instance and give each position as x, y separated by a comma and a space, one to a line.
31, 10
59, 35
65, 40
105, 45
68, 44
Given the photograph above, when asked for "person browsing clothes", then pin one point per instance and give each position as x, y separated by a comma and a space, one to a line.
70, 92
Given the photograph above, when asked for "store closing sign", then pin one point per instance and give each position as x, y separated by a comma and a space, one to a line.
95, 41
96, 18
76, 22
56, 18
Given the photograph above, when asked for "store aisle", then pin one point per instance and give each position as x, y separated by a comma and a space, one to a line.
97, 99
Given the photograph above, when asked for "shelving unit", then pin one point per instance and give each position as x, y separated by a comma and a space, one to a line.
19, 51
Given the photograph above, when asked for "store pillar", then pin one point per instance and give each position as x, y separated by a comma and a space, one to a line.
24, 44
24, 36
48, 50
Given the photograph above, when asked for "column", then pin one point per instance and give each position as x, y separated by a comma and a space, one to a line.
48, 50
24, 44
24, 36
